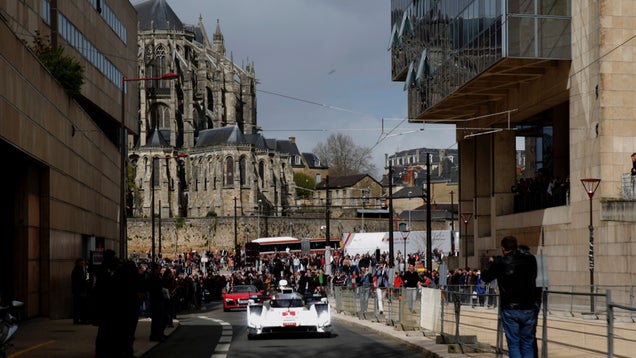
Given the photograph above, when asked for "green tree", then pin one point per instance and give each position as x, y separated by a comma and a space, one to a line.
344, 157
66, 69
304, 185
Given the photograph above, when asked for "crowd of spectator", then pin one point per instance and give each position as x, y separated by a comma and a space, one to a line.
124, 290
540, 192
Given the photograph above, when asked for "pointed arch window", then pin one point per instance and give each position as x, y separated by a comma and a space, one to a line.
156, 66
160, 117
242, 173
156, 174
229, 171
261, 172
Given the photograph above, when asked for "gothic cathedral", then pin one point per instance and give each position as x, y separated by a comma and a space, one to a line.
199, 151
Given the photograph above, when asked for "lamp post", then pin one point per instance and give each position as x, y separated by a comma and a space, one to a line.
404, 238
452, 225
160, 255
466, 219
236, 250
590, 185
122, 160
409, 195
258, 233
152, 209
365, 194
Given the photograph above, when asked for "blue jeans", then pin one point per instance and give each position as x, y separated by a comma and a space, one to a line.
364, 298
519, 326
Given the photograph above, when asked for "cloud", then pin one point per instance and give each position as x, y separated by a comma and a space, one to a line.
330, 52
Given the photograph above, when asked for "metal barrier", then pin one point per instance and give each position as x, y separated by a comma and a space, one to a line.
610, 308
565, 328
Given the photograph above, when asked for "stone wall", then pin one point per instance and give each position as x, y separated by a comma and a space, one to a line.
200, 233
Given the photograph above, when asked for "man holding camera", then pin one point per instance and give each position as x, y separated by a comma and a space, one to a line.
516, 274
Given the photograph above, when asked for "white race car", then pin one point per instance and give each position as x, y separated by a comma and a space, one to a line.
288, 311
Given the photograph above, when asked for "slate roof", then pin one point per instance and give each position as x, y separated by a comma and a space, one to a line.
287, 146
312, 159
344, 181
271, 144
257, 140
416, 192
160, 12
220, 136
158, 139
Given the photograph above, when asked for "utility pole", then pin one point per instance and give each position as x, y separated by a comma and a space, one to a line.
452, 225
327, 212
390, 216
429, 231
237, 255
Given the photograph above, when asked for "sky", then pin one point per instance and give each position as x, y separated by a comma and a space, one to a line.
323, 67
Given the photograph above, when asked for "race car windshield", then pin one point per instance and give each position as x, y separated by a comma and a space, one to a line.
241, 289
293, 302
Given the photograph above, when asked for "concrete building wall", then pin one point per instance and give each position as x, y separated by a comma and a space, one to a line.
601, 137
65, 169
588, 103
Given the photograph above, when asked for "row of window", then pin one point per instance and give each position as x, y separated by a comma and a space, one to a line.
79, 42
228, 173
111, 18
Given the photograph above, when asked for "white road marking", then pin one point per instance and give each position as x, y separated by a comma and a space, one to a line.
223, 346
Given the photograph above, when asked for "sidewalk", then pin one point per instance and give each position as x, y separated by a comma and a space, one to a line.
416, 339
43, 337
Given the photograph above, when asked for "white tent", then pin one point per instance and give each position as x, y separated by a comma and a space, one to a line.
414, 241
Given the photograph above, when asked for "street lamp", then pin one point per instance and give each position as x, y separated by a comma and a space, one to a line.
236, 249
258, 234
122, 159
159, 218
466, 219
404, 238
452, 225
152, 208
590, 185
365, 199
409, 195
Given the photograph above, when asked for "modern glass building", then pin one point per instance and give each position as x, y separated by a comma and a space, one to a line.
465, 53
549, 77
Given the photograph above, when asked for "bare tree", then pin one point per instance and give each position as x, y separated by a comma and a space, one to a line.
344, 157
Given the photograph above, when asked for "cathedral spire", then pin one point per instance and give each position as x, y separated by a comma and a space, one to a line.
205, 39
217, 39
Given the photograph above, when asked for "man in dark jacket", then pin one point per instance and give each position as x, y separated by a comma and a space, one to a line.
516, 274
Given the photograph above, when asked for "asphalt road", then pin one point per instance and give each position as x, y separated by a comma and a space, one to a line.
214, 333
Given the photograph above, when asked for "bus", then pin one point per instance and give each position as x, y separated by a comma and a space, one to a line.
289, 245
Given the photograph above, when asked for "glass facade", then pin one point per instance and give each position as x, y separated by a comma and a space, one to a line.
111, 18
437, 46
79, 42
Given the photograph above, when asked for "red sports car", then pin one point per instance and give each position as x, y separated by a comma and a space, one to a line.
238, 296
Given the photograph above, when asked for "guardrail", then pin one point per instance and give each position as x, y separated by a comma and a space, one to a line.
451, 313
